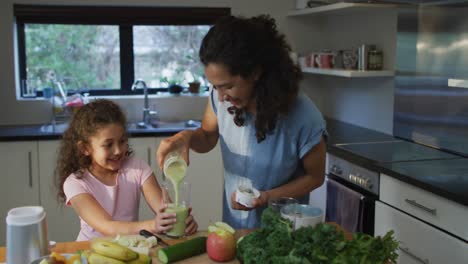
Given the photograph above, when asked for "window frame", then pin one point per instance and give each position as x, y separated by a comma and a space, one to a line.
124, 17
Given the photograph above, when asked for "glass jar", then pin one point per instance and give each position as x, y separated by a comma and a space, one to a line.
375, 60
174, 165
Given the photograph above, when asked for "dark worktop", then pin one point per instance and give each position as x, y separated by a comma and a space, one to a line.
433, 170
439, 172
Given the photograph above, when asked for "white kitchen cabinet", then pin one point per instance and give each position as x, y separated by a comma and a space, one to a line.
20, 178
28, 179
145, 149
205, 174
419, 242
63, 222
427, 206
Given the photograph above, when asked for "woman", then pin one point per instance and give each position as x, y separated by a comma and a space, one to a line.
271, 136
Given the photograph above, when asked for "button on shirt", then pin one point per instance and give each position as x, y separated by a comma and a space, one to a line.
268, 164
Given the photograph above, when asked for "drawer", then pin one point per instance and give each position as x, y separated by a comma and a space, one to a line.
419, 242
441, 212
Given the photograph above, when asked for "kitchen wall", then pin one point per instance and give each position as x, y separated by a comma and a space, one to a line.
366, 102
37, 111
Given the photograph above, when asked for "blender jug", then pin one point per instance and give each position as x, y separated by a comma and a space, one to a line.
26, 234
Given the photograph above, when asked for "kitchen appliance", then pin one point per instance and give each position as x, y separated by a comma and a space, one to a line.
352, 177
353, 174
432, 75
26, 234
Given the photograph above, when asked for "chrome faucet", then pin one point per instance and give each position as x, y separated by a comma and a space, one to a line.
148, 115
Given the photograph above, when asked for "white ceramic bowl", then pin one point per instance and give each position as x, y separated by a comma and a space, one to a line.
246, 195
302, 215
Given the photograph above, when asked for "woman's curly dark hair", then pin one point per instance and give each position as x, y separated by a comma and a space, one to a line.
245, 45
84, 124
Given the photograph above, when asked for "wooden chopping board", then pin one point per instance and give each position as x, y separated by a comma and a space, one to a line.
203, 258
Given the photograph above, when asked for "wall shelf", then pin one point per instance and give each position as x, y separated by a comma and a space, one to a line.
336, 7
349, 73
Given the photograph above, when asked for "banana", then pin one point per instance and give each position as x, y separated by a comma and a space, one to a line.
142, 259
95, 258
113, 250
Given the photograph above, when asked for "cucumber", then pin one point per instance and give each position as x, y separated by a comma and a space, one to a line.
186, 249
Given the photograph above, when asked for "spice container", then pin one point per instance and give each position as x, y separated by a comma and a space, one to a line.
375, 60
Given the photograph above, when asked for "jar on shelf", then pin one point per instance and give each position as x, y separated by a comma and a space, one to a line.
375, 60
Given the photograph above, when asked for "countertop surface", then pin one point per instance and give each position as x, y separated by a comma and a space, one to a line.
73, 247
50, 131
433, 170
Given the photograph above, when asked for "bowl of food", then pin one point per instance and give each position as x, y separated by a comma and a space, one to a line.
302, 215
246, 195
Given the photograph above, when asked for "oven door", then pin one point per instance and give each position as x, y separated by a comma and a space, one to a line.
350, 206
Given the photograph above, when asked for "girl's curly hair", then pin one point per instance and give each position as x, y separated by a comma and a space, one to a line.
84, 124
245, 45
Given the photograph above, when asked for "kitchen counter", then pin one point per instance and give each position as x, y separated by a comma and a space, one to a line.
51, 132
441, 173
72, 247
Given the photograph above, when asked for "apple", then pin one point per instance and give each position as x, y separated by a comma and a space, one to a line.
221, 245
221, 225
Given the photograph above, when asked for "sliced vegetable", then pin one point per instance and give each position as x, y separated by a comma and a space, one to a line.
186, 249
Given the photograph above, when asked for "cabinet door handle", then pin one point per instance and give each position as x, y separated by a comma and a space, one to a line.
148, 156
420, 206
408, 252
30, 169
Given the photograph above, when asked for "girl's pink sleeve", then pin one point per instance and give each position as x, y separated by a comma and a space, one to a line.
72, 187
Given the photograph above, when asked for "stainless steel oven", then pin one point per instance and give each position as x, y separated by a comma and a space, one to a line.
351, 194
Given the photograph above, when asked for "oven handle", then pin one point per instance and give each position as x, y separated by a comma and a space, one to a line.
432, 211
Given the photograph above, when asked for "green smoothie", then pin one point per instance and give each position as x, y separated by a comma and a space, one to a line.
175, 172
178, 230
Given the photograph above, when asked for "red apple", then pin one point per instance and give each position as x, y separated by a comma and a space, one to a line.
221, 246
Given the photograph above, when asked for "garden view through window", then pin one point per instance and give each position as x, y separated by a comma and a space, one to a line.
87, 57
103, 50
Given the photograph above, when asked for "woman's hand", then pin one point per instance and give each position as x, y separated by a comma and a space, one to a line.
180, 141
191, 224
163, 221
262, 200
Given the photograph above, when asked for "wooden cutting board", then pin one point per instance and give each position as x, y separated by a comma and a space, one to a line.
203, 258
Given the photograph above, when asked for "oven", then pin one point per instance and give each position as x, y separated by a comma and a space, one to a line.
351, 192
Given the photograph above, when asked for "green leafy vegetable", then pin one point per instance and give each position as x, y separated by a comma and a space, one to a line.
277, 242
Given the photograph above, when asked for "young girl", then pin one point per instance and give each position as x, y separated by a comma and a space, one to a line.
98, 177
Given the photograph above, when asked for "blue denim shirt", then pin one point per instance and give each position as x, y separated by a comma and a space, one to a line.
270, 163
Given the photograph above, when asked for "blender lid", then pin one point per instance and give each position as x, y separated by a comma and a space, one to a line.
25, 215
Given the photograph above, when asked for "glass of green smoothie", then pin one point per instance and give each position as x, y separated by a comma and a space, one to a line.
181, 208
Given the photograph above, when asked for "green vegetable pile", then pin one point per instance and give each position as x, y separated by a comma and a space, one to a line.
277, 242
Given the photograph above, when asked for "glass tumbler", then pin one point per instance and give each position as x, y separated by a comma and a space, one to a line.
179, 205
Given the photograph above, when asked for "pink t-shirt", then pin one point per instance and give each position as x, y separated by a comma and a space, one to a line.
121, 201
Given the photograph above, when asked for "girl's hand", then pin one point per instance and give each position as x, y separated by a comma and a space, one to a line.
191, 224
262, 200
163, 221
180, 141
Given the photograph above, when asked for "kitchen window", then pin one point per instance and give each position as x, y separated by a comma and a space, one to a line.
103, 50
